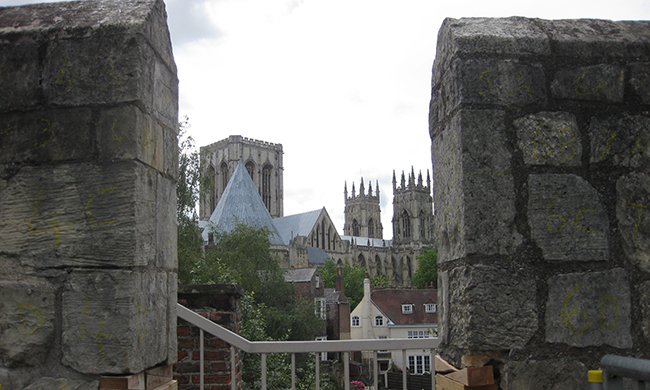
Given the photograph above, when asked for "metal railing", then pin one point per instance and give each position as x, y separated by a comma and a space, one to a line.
616, 368
267, 347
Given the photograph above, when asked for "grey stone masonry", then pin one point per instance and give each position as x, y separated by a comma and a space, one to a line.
540, 136
88, 169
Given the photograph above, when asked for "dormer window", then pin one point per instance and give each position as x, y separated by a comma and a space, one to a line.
430, 308
407, 308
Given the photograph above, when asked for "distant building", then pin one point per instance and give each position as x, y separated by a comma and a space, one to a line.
397, 313
252, 194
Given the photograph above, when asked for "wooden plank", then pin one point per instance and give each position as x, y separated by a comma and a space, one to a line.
473, 376
130, 382
161, 371
158, 376
171, 385
444, 383
443, 366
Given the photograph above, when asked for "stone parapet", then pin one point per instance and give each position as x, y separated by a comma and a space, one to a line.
540, 146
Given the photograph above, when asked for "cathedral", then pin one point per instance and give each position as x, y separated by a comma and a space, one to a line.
246, 177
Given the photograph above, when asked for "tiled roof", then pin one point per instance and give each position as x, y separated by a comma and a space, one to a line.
299, 275
316, 255
296, 225
389, 301
241, 203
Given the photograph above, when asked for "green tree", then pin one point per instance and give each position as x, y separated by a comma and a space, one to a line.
353, 276
427, 271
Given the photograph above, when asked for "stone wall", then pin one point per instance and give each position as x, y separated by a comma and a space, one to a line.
541, 150
88, 123
221, 304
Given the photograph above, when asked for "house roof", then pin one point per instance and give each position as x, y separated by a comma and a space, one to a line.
389, 301
296, 225
299, 275
241, 203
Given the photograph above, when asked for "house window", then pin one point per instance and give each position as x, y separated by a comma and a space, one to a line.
418, 334
355, 320
419, 364
318, 282
321, 309
379, 321
407, 308
430, 307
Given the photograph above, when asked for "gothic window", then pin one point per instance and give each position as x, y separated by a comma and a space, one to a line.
378, 265
250, 167
406, 224
329, 238
371, 228
361, 261
423, 225
224, 176
213, 195
408, 267
266, 186
355, 228
322, 233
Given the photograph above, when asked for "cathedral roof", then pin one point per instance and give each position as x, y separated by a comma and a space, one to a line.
296, 225
241, 203
366, 241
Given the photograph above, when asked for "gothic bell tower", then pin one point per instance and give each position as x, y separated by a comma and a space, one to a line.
412, 210
363, 212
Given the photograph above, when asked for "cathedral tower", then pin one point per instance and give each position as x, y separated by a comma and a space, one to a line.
263, 161
412, 210
362, 212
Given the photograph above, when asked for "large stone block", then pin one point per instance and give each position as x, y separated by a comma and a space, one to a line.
114, 321
47, 135
26, 323
166, 236
633, 218
594, 40
601, 83
106, 69
567, 218
81, 215
514, 36
589, 309
644, 303
474, 187
549, 138
640, 80
620, 141
493, 81
19, 74
551, 374
165, 89
490, 308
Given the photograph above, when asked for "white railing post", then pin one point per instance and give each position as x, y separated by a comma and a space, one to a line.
293, 371
317, 370
405, 363
376, 370
233, 369
346, 369
201, 358
263, 371
433, 369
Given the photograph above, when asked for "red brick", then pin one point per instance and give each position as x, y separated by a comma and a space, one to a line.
183, 330
182, 379
212, 379
181, 355
211, 355
217, 343
187, 367
185, 343
219, 366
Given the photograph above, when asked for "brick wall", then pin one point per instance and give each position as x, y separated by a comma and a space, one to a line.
221, 304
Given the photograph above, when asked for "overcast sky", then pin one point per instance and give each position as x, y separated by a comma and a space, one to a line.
343, 85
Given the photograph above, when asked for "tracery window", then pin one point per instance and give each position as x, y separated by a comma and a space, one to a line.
250, 167
371, 228
406, 224
355, 228
266, 186
224, 176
